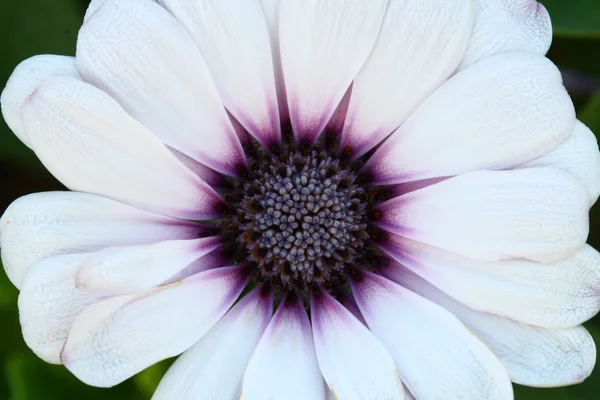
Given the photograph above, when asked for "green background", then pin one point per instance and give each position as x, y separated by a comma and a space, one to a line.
29, 27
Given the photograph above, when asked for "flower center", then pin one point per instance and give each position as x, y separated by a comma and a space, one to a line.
301, 219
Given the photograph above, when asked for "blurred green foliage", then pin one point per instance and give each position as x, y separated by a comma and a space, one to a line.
29, 27
575, 18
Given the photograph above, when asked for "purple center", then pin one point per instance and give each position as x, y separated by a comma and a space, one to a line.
301, 219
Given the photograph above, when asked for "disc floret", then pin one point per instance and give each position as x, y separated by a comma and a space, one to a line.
302, 218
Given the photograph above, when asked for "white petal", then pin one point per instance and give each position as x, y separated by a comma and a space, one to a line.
234, 39
555, 295
537, 213
508, 26
284, 364
348, 302
408, 395
436, 356
420, 45
271, 10
215, 259
92, 8
43, 225
159, 77
532, 356
337, 121
129, 269
49, 303
214, 367
27, 76
99, 311
353, 362
578, 155
536, 356
210, 176
92, 145
475, 119
111, 342
242, 134
323, 46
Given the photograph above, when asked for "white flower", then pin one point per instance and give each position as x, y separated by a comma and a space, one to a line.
236, 149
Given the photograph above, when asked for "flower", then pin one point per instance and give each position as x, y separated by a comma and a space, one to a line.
359, 199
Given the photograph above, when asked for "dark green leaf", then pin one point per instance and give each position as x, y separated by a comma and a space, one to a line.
590, 114
32, 379
30, 27
147, 380
580, 18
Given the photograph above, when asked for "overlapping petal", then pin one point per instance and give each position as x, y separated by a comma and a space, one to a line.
130, 269
231, 34
210, 176
533, 356
475, 120
160, 79
505, 26
558, 295
321, 53
420, 45
49, 302
579, 155
214, 367
436, 356
215, 259
271, 10
354, 363
91, 144
44, 225
115, 339
26, 77
539, 214
284, 365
